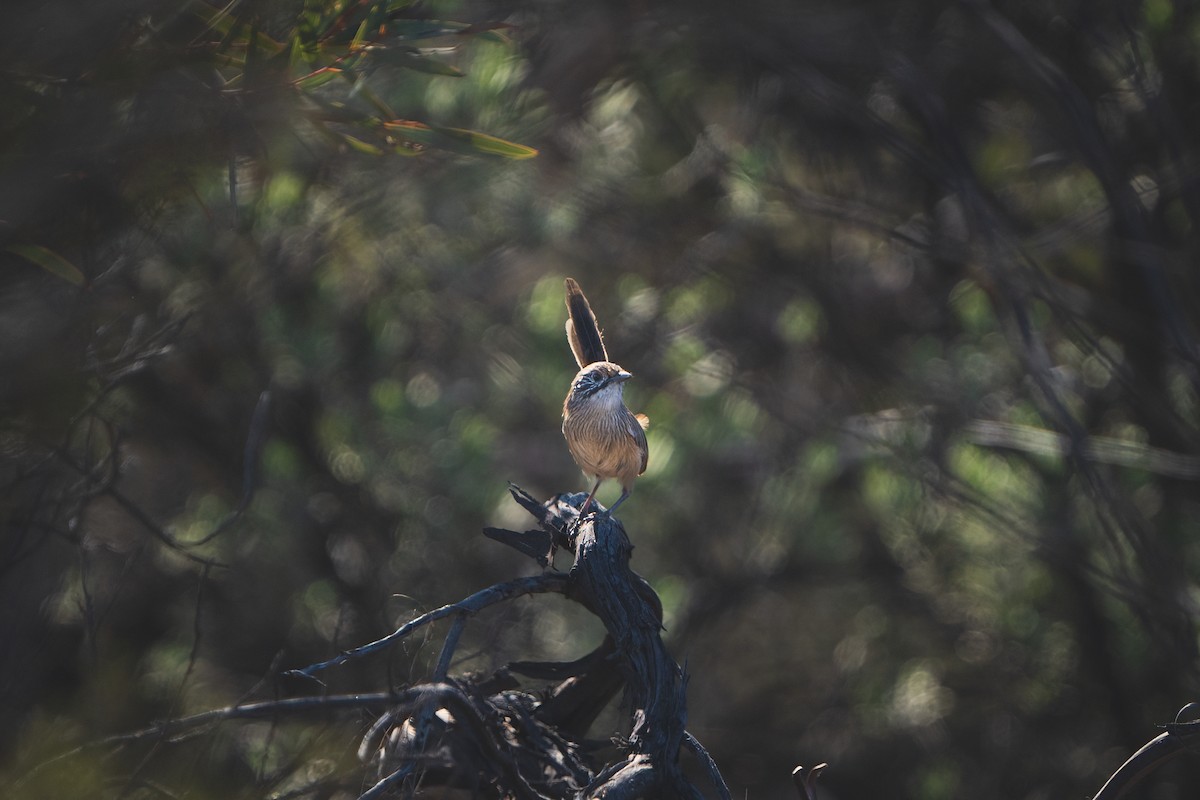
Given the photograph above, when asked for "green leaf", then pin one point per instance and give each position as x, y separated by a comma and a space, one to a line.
48, 260
411, 30
363, 90
337, 111
361, 146
489, 31
310, 27
488, 144
359, 37
411, 58
318, 78
458, 140
230, 27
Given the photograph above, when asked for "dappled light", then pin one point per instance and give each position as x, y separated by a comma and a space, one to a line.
906, 289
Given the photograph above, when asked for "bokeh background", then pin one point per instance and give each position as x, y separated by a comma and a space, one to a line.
909, 289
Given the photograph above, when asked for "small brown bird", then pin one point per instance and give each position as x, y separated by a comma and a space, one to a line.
604, 437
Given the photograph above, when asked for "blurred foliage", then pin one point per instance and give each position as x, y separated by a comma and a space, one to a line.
906, 286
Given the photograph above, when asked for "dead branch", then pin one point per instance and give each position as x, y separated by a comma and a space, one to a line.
514, 743
485, 733
1178, 738
468, 607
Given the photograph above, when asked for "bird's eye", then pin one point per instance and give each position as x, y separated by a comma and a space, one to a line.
588, 382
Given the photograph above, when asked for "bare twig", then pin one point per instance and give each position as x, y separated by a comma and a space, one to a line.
1101, 449
421, 721
255, 438
135, 511
172, 729
536, 584
710, 766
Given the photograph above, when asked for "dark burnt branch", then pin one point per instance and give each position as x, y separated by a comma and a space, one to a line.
489, 736
585, 686
805, 779
476, 737
656, 683
710, 766
485, 736
1179, 737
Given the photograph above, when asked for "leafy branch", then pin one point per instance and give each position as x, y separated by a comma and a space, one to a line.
332, 42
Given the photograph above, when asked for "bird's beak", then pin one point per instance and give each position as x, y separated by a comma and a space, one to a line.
622, 376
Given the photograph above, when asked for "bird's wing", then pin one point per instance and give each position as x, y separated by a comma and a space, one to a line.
637, 429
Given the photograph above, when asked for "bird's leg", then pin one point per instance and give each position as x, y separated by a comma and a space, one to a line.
624, 493
583, 509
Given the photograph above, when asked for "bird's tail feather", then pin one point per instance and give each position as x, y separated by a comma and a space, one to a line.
583, 332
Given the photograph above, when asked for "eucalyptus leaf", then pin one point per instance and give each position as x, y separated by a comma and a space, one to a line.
48, 260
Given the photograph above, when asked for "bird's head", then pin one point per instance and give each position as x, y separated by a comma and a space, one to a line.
599, 382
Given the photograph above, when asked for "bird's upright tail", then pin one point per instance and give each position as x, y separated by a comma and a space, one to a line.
583, 332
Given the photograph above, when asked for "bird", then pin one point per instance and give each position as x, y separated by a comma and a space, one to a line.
605, 438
